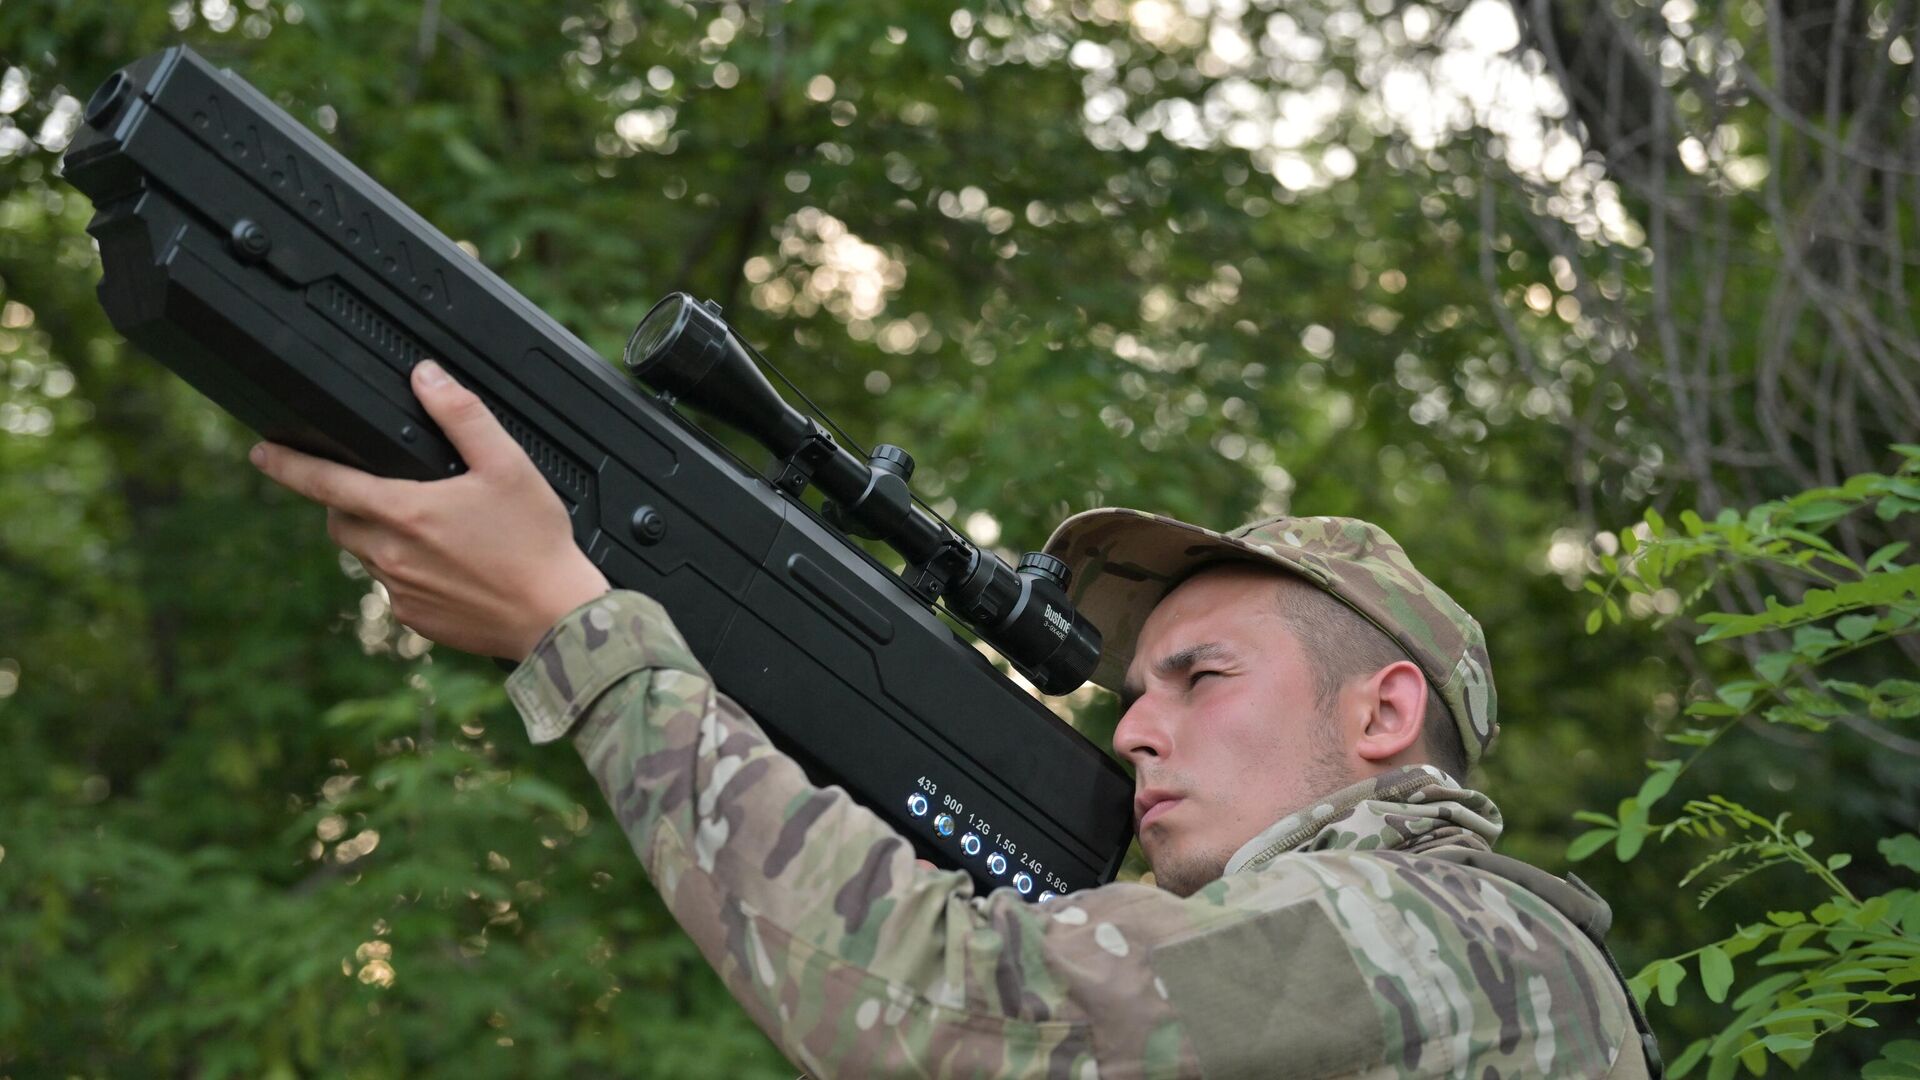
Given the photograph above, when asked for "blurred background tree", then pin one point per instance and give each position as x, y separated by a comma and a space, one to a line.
1496, 275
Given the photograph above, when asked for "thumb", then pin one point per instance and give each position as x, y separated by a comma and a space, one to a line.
469, 425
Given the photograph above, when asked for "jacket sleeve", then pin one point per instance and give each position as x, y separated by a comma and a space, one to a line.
858, 962
847, 953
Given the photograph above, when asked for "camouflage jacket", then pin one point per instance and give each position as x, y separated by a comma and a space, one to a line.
1342, 942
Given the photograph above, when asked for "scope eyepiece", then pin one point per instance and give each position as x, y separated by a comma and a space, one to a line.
1025, 614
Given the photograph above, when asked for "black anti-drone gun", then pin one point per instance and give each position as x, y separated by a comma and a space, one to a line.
283, 283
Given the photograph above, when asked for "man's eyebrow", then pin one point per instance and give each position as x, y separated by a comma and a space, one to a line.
1174, 663
1189, 656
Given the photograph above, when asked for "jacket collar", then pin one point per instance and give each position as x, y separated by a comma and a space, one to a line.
1412, 809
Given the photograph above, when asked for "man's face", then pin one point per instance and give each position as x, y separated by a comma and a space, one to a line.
1221, 725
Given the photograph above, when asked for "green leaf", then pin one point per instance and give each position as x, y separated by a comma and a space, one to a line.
1885, 555
1688, 1059
1855, 627
1783, 1042
1633, 830
1773, 666
1747, 939
1628, 844
1593, 621
1798, 1012
1893, 506
1821, 512
1798, 935
1668, 978
1889, 1070
1902, 851
1716, 972
1813, 641
1765, 989
1641, 985
1793, 956
1658, 783
1721, 1062
1589, 842
1839, 861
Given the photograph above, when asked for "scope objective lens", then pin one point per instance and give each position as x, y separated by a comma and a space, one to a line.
657, 329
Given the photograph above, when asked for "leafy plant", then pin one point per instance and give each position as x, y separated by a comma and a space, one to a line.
1817, 972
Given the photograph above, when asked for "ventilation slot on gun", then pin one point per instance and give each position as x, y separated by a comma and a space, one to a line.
398, 348
356, 317
560, 470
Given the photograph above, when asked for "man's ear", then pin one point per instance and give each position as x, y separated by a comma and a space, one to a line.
1396, 706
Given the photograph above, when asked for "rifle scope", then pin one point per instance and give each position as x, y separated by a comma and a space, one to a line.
684, 350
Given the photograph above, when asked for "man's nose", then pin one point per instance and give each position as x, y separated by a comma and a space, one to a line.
1142, 733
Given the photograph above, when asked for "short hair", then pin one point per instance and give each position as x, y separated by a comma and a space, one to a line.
1341, 644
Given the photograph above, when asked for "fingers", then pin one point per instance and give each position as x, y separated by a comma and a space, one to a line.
356, 535
325, 482
472, 428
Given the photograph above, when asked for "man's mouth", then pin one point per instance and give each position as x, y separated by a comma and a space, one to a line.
1150, 805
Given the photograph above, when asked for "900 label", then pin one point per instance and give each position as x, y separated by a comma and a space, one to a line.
980, 844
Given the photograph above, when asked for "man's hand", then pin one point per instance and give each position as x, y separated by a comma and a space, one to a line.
483, 562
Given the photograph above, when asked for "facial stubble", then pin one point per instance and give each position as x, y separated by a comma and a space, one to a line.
1184, 873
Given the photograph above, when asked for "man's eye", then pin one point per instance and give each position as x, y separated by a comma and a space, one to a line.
1194, 679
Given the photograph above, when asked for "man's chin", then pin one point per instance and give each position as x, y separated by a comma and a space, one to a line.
1184, 874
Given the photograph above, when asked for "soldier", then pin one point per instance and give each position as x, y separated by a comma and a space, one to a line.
1299, 701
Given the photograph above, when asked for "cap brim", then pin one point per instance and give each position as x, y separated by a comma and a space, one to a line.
1124, 562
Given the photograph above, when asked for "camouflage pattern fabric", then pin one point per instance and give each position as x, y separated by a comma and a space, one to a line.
1340, 947
1124, 561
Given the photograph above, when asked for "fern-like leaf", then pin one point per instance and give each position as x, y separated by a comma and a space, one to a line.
1735, 877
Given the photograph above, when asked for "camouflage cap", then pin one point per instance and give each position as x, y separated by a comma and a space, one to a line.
1125, 561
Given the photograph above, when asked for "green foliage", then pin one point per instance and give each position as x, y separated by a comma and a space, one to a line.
1833, 965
